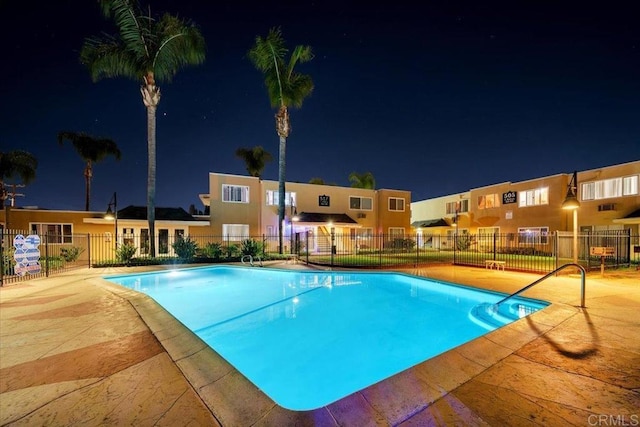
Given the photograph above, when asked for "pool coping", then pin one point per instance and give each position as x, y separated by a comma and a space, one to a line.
234, 400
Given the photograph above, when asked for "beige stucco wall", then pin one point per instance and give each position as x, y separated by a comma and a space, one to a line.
510, 217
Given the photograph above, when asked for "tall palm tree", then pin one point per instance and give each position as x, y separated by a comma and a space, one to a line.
16, 164
92, 150
286, 88
362, 180
146, 49
255, 159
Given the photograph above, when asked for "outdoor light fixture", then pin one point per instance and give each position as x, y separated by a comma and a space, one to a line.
571, 200
112, 215
293, 217
571, 203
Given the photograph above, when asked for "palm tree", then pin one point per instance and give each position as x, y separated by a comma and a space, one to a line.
286, 88
146, 49
16, 164
362, 180
254, 159
316, 181
92, 150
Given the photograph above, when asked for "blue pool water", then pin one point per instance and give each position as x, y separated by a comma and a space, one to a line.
308, 338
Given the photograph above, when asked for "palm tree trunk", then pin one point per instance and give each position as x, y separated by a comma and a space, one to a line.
151, 99
282, 128
88, 173
281, 189
151, 178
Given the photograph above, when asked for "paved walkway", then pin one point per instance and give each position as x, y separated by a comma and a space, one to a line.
77, 350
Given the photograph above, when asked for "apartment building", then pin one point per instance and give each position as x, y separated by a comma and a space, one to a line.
609, 200
243, 206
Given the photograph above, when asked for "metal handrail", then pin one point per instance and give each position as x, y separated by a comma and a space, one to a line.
251, 259
562, 267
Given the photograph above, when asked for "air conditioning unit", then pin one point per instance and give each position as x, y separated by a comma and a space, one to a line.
362, 215
607, 207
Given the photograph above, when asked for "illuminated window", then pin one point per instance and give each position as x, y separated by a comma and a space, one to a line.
235, 232
488, 201
396, 204
462, 206
362, 203
273, 198
56, 233
609, 188
537, 197
396, 233
630, 185
488, 231
235, 193
533, 235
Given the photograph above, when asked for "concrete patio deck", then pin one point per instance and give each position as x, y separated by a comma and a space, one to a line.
78, 350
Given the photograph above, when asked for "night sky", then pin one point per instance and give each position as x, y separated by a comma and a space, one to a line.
435, 99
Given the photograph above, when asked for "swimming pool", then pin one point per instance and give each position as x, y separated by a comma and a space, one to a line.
307, 338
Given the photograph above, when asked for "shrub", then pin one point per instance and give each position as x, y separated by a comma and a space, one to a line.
125, 252
232, 250
71, 254
211, 250
185, 248
250, 247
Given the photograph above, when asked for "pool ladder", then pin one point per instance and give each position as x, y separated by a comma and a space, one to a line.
249, 259
562, 267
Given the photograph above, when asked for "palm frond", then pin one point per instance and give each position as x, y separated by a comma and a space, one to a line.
107, 57
18, 164
177, 45
90, 148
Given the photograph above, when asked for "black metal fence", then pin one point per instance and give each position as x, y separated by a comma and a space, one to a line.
512, 251
25, 255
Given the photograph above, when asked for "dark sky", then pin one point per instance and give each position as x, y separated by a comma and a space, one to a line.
435, 99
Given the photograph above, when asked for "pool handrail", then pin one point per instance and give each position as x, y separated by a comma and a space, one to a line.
251, 259
562, 267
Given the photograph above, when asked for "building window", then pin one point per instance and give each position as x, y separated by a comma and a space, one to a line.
630, 185
144, 241
273, 200
235, 232
235, 193
539, 196
127, 236
610, 188
362, 203
396, 204
488, 201
396, 233
533, 235
488, 231
461, 206
163, 241
56, 233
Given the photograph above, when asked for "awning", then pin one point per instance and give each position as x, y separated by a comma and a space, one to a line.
439, 222
632, 218
315, 218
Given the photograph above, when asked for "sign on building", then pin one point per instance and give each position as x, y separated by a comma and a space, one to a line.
324, 200
509, 197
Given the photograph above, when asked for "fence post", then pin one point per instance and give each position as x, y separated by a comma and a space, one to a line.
46, 254
89, 250
333, 243
495, 237
3, 236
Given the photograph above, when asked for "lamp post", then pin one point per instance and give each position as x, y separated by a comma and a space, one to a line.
113, 215
292, 218
571, 203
